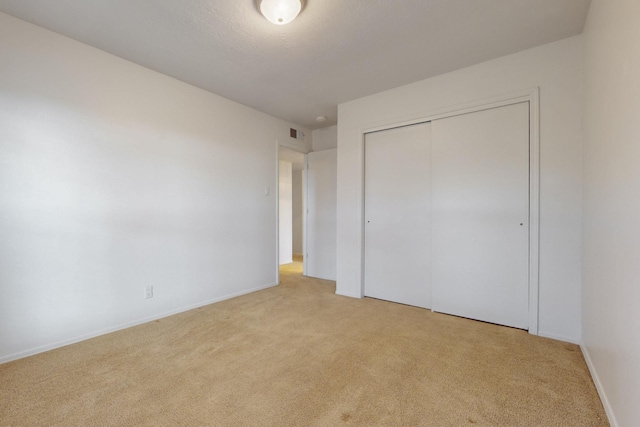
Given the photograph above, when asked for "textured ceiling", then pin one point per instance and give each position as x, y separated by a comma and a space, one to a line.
336, 51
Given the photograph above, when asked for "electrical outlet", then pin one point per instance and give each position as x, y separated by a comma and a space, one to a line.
148, 292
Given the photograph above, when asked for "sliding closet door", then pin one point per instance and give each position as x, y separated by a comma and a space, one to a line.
397, 212
480, 215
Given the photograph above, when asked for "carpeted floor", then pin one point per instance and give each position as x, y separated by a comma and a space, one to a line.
298, 355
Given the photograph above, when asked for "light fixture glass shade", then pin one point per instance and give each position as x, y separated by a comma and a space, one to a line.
280, 12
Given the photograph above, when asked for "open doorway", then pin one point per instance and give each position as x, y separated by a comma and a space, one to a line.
291, 193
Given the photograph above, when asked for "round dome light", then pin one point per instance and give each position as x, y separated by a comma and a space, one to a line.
280, 12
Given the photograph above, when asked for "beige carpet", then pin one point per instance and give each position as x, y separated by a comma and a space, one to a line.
298, 355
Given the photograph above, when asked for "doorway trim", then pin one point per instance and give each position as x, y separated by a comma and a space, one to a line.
532, 96
279, 146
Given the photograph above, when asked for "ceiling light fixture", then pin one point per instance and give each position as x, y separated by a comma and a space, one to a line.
280, 12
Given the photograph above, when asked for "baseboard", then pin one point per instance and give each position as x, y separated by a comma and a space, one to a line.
558, 337
599, 387
349, 295
63, 343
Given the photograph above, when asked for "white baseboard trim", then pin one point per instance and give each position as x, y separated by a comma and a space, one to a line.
599, 387
63, 343
348, 295
558, 337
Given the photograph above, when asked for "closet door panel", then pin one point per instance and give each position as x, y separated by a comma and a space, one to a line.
397, 215
480, 215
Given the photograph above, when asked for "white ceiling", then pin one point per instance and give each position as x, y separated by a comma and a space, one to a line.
336, 51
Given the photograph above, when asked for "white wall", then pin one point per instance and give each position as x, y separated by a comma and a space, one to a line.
323, 262
285, 213
557, 69
114, 177
298, 203
325, 138
321, 218
611, 301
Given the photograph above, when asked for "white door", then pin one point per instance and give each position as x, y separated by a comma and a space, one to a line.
321, 216
480, 215
397, 242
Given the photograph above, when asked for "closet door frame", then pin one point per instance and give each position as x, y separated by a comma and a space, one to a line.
532, 96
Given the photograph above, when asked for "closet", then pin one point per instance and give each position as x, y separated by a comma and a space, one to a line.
447, 215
